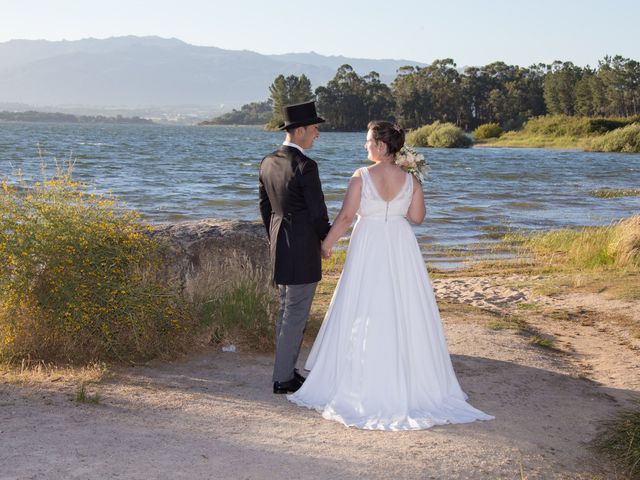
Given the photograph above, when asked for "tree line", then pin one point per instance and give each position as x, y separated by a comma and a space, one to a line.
495, 93
33, 116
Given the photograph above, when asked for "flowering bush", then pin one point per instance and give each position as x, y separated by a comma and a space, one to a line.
80, 280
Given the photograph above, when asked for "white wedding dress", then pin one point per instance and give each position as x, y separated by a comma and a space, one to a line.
380, 360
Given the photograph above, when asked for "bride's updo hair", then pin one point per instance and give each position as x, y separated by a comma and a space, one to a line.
392, 135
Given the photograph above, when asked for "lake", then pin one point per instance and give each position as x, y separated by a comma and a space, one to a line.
473, 196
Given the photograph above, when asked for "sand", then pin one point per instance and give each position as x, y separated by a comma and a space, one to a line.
212, 415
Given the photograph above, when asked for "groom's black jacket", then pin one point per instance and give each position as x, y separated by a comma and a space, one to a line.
294, 214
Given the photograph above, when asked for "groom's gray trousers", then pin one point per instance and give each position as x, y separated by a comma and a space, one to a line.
295, 303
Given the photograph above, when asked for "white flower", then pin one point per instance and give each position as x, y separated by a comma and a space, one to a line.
411, 161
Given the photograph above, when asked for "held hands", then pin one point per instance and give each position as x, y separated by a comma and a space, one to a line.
326, 250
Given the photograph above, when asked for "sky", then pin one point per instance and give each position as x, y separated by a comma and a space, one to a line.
471, 32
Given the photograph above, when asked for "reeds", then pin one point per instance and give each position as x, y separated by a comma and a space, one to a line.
613, 246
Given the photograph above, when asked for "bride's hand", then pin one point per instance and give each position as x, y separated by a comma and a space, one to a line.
326, 250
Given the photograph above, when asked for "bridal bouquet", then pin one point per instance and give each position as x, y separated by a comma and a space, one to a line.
412, 162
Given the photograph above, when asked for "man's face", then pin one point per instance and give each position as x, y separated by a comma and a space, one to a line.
308, 136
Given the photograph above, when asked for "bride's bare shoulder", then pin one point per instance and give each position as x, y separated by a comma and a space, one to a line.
357, 173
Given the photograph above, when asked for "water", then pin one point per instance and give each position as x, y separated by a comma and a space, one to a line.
473, 195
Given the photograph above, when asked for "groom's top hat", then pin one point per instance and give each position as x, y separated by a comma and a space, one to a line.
299, 115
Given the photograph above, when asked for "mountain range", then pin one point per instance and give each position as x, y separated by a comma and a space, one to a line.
152, 74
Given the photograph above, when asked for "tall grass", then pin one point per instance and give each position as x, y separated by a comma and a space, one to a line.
613, 246
621, 440
236, 302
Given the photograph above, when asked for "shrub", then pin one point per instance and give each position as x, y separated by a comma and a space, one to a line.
80, 280
439, 135
626, 140
419, 137
449, 136
488, 130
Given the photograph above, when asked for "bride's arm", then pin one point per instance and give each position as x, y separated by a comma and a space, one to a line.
417, 210
350, 206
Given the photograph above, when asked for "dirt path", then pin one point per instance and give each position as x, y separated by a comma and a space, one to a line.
212, 415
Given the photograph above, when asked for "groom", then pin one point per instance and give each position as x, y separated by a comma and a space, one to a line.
295, 216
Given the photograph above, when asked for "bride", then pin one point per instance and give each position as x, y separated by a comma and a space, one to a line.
380, 360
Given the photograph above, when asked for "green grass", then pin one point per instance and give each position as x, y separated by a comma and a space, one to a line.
334, 264
82, 396
620, 440
539, 341
507, 323
527, 306
523, 140
236, 303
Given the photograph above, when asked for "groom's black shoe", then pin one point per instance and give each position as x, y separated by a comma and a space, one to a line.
289, 386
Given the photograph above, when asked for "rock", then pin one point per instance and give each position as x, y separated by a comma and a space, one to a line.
202, 250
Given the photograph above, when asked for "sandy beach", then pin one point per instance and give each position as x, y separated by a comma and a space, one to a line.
212, 414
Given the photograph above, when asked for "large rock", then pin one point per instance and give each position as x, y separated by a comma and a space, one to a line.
204, 251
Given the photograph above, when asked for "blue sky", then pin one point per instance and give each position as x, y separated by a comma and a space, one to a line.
471, 32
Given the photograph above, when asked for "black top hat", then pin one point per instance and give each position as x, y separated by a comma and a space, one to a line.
299, 115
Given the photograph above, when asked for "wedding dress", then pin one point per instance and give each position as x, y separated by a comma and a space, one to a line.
380, 360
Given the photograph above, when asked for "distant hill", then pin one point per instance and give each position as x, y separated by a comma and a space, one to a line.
142, 72
46, 117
